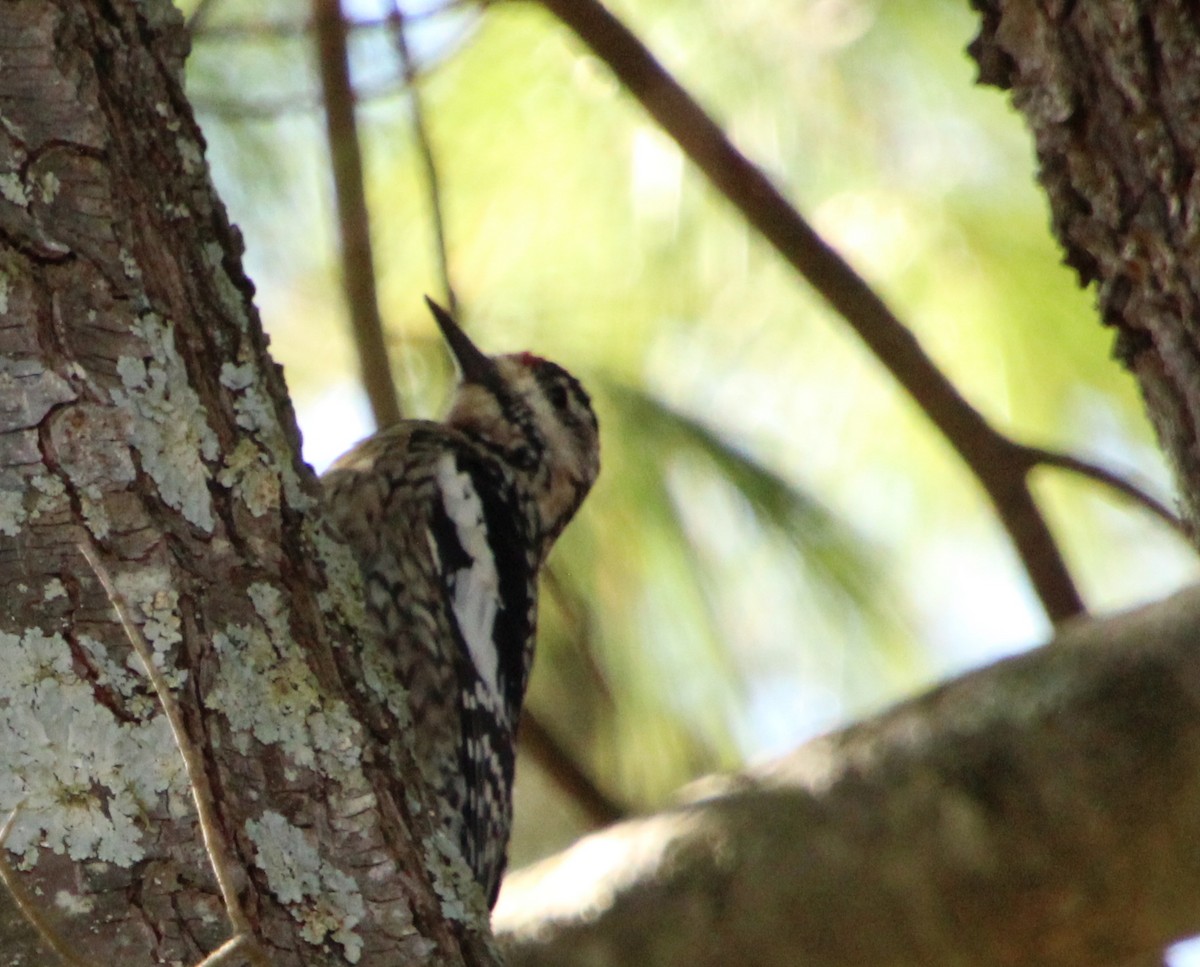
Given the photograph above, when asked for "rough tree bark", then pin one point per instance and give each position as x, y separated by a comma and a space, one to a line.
1111, 93
147, 443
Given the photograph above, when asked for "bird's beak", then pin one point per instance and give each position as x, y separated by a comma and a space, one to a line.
476, 367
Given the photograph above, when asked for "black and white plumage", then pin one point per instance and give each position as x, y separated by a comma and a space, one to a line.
450, 523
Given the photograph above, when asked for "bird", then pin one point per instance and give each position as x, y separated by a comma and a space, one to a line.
450, 523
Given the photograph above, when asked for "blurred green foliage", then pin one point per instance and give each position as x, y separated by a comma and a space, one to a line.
778, 541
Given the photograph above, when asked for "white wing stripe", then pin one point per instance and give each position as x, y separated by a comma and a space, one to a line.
475, 589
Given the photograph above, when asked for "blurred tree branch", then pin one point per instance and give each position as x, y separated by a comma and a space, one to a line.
562, 767
353, 217
1001, 465
1038, 457
398, 22
976, 824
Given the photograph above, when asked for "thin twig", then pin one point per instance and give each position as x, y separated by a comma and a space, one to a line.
193, 762
560, 765
398, 21
993, 459
225, 951
354, 223
25, 903
1110, 479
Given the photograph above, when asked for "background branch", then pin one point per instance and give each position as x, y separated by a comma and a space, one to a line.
992, 458
354, 224
600, 808
1113, 481
398, 23
961, 827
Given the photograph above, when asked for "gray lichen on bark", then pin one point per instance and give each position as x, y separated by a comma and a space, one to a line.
142, 420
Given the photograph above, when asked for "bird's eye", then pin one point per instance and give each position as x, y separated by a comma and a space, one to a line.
557, 395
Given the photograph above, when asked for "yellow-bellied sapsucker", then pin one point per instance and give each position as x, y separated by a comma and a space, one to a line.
450, 523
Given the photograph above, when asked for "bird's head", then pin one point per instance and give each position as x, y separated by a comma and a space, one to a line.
534, 415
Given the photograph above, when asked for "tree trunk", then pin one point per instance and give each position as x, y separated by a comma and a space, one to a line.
1110, 90
152, 501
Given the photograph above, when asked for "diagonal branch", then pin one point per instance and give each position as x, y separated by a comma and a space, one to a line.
601, 809
996, 461
354, 224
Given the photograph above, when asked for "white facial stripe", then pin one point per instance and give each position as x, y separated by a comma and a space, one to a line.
476, 589
558, 438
